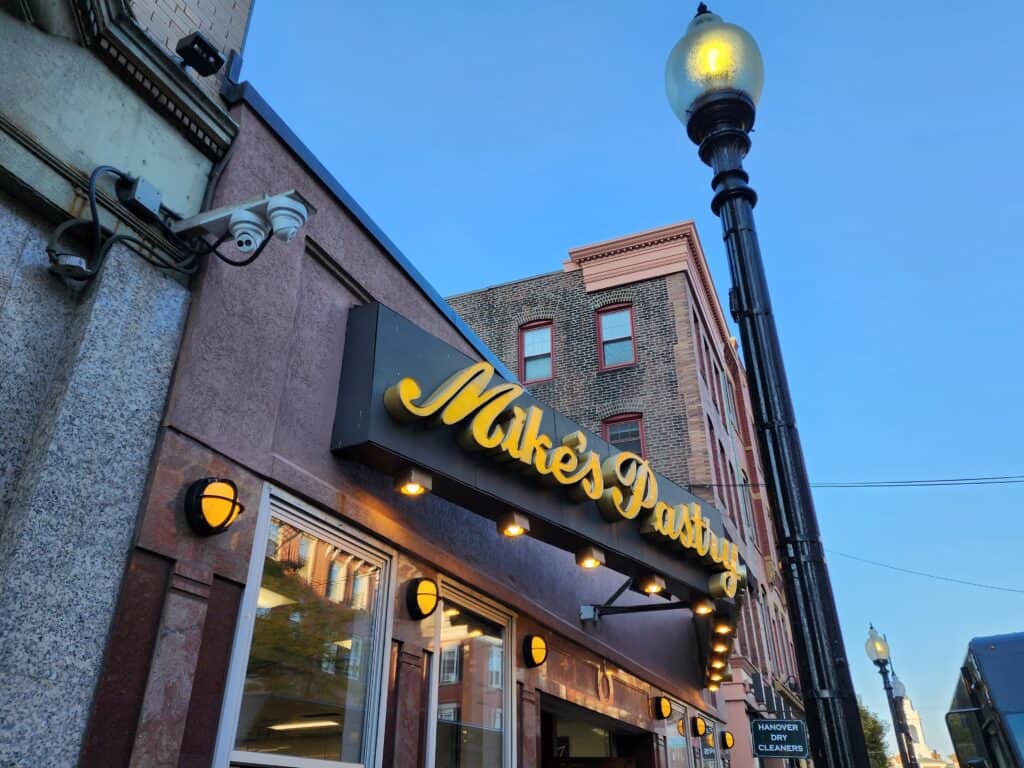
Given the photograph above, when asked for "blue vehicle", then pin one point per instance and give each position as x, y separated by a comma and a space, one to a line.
986, 718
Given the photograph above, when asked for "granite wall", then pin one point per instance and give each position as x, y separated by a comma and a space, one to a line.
83, 379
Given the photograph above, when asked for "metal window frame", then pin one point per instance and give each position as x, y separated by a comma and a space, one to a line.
327, 527
466, 597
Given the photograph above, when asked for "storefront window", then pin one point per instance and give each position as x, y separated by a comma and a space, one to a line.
472, 694
708, 748
677, 741
311, 678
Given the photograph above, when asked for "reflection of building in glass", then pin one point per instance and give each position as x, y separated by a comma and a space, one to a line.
471, 695
304, 689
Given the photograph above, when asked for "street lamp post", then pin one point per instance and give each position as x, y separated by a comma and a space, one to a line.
877, 648
713, 79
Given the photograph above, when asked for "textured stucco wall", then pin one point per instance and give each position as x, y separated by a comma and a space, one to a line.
83, 379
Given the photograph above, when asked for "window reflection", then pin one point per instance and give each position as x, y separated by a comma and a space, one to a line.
677, 729
306, 681
471, 691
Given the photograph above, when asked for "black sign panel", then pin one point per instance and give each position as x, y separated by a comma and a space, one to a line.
382, 348
780, 738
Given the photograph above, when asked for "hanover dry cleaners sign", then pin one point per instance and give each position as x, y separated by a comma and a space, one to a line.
780, 738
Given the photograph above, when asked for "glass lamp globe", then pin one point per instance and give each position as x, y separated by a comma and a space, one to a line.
899, 690
876, 647
712, 56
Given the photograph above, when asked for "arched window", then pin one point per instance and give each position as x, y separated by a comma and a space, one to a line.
626, 432
615, 347
536, 356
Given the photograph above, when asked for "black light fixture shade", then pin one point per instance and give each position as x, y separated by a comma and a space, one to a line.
199, 53
535, 650
421, 597
661, 707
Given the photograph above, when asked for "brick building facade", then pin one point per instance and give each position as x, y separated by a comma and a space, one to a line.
685, 388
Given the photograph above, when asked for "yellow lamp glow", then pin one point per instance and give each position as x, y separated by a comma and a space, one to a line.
713, 56
477, 632
728, 740
876, 646
211, 505
717, 664
652, 585
513, 524
723, 629
589, 557
719, 646
300, 725
699, 726
703, 607
681, 727
421, 598
712, 687
535, 650
413, 481
715, 677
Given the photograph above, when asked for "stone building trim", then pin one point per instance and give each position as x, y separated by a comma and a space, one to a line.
623, 407
141, 62
110, 27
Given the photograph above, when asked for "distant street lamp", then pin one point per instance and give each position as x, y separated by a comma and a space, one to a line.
877, 648
713, 78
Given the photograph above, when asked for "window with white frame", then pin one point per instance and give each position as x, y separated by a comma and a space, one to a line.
615, 337
448, 712
278, 705
746, 505
494, 667
451, 663
730, 399
535, 355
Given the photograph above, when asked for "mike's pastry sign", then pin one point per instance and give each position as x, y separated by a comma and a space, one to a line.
409, 398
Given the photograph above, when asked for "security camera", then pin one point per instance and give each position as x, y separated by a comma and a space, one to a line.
250, 223
248, 230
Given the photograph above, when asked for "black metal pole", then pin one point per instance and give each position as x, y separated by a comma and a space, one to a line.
897, 721
719, 124
904, 729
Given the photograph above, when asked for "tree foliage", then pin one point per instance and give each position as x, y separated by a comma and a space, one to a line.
874, 734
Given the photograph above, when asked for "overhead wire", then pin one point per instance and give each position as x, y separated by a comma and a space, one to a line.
925, 574
926, 483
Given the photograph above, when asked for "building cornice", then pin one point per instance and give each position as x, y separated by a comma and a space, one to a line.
109, 27
645, 255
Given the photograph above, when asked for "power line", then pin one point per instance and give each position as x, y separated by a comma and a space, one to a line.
925, 574
929, 483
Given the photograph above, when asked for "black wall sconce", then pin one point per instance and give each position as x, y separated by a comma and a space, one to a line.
535, 650
661, 707
421, 598
212, 506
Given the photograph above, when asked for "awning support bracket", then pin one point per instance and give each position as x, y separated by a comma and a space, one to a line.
589, 612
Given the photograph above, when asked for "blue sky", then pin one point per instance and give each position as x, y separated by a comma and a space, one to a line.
488, 138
